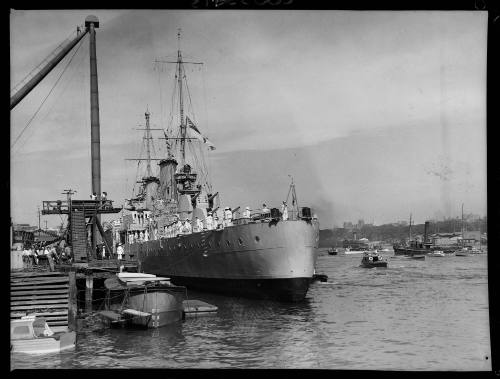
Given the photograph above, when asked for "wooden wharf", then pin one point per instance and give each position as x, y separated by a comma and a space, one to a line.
54, 294
51, 295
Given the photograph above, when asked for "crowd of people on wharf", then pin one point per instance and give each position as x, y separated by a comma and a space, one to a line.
40, 253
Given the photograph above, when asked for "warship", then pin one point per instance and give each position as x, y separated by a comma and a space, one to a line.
173, 227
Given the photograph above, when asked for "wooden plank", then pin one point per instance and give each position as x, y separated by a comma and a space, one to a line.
62, 297
36, 278
53, 313
23, 282
58, 323
52, 318
40, 301
39, 293
55, 286
33, 307
41, 314
57, 318
110, 315
35, 274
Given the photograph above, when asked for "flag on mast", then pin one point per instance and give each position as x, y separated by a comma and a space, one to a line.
198, 135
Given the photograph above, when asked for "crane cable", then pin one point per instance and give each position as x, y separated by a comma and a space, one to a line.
46, 97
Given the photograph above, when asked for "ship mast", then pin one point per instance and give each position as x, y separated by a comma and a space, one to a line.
148, 146
463, 243
181, 104
409, 238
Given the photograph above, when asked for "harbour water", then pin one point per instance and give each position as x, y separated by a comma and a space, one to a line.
413, 315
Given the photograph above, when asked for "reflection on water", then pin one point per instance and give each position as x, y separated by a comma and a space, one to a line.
414, 315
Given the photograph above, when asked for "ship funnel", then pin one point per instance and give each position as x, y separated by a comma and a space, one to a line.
151, 189
168, 185
426, 228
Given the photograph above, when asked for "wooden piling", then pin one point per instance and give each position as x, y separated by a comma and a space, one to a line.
72, 301
89, 286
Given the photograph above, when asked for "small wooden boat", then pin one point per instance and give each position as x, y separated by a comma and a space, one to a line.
353, 251
462, 253
332, 251
420, 257
32, 335
372, 259
198, 308
142, 300
436, 253
320, 278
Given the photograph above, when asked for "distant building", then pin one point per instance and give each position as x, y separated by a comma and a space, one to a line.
446, 239
361, 223
348, 225
23, 233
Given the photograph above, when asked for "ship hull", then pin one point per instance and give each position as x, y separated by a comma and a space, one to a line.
259, 260
419, 251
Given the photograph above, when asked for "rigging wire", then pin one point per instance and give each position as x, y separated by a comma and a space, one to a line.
46, 97
72, 74
209, 167
30, 74
158, 66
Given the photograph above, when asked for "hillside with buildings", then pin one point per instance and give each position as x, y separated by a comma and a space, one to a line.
447, 231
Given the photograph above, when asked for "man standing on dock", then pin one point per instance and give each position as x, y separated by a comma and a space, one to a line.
119, 251
284, 211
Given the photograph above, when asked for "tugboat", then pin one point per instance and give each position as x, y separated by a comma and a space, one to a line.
372, 259
173, 226
332, 251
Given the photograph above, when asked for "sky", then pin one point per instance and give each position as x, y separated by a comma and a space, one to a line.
375, 114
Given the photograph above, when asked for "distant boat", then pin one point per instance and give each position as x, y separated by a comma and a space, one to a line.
32, 335
143, 300
332, 251
353, 251
436, 253
462, 252
372, 259
415, 256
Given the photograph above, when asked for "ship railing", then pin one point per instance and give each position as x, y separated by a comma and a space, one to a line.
303, 213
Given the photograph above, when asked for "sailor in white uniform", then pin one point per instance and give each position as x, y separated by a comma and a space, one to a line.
284, 211
187, 227
246, 212
199, 225
178, 227
228, 217
209, 221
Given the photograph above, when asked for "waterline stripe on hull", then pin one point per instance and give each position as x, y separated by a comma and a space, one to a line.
294, 289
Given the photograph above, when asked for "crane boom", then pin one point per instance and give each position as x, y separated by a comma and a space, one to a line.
24, 90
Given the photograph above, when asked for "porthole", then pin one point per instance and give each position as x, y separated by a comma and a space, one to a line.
240, 241
257, 238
